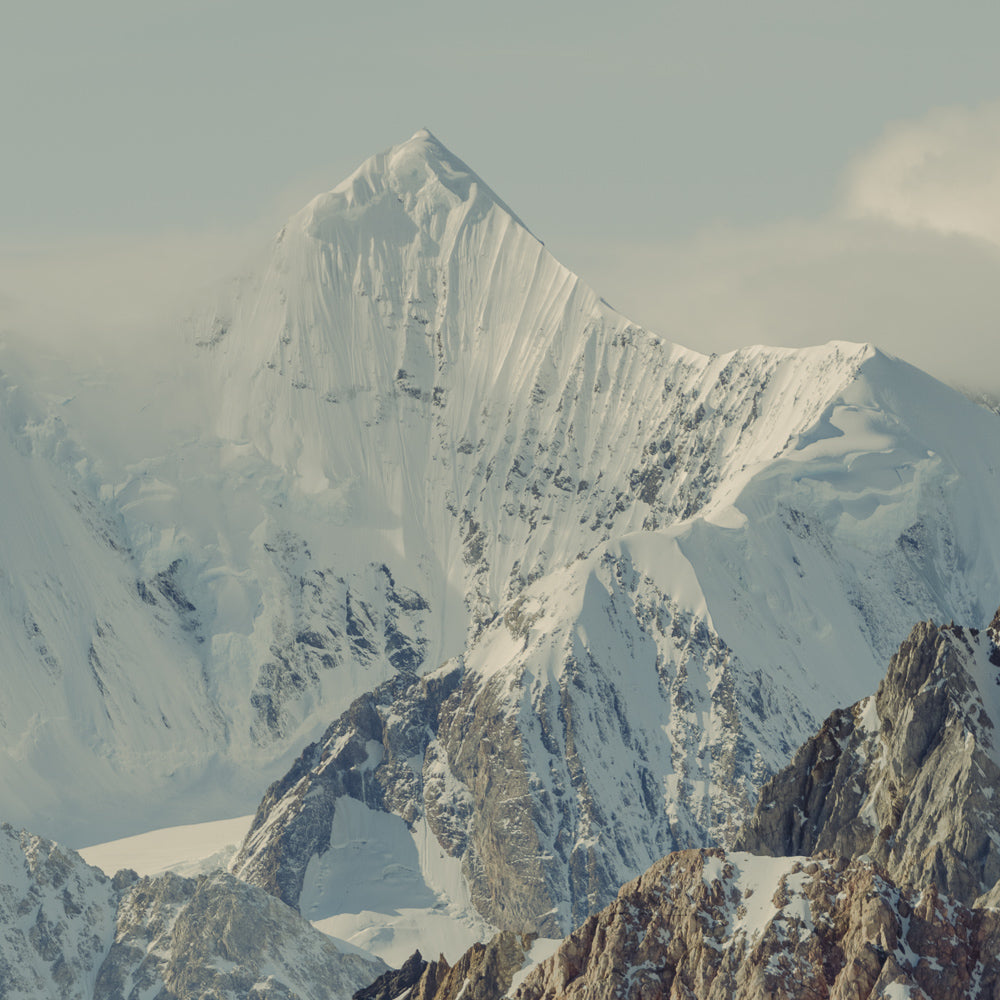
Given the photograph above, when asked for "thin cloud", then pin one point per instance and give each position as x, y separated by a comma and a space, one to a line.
107, 286
111, 293
941, 172
909, 260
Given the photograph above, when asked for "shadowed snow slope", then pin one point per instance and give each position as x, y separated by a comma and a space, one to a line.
412, 437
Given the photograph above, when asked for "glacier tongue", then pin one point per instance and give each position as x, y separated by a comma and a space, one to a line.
424, 438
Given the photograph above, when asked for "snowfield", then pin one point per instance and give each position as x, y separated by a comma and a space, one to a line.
193, 849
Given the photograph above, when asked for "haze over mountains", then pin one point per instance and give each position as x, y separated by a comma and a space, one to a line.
591, 587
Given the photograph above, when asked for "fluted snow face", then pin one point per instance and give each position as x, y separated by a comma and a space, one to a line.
415, 357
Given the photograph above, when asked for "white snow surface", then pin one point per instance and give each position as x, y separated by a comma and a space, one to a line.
903, 991
541, 949
407, 419
192, 849
388, 891
758, 880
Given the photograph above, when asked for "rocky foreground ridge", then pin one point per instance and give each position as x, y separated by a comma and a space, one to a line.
710, 925
484, 972
909, 776
875, 872
68, 931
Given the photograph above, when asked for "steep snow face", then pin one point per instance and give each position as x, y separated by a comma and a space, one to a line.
412, 419
419, 368
880, 508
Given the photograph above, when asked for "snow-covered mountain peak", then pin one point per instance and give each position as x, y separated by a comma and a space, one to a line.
423, 439
411, 298
419, 179
406, 290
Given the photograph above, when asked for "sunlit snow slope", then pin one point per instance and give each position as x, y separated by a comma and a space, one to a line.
419, 437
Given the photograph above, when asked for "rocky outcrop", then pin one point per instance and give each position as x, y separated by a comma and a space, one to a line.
368, 755
908, 776
67, 930
57, 919
542, 779
395, 982
484, 972
330, 624
429, 748
706, 925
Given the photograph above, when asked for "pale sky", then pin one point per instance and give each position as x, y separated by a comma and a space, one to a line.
777, 171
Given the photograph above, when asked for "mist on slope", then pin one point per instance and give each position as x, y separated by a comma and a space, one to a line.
100, 331
908, 258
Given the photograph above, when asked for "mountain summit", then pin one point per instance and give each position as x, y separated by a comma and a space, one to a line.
410, 278
414, 172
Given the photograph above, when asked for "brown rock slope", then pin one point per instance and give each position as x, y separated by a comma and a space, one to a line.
484, 972
704, 925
